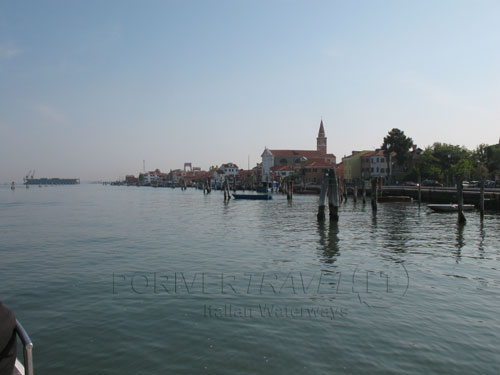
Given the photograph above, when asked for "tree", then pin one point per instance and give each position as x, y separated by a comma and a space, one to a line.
427, 166
396, 141
494, 160
480, 154
462, 169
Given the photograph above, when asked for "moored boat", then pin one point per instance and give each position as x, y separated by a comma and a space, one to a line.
390, 198
453, 207
253, 196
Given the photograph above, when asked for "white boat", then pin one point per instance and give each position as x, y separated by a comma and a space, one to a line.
453, 207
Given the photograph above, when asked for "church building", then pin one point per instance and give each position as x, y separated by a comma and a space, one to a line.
283, 162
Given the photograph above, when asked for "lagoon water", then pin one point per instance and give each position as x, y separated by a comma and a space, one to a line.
127, 280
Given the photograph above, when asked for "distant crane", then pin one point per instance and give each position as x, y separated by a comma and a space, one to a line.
33, 174
27, 176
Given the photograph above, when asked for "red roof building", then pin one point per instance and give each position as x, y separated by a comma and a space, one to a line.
296, 159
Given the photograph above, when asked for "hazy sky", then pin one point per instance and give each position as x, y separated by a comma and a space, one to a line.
91, 88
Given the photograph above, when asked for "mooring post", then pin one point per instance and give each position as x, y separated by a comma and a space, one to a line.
322, 198
345, 191
355, 191
481, 199
333, 196
460, 198
363, 181
340, 189
291, 189
374, 194
419, 185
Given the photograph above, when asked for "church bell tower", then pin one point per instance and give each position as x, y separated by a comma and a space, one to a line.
321, 140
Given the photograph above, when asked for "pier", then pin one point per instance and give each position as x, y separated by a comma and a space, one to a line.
447, 195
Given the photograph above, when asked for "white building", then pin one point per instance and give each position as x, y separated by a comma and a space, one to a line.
229, 169
378, 164
152, 176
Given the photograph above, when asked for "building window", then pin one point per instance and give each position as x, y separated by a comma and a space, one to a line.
381, 160
377, 160
283, 161
372, 170
377, 169
382, 170
314, 170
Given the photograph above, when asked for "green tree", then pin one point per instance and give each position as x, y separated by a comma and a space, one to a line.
462, 169
480, 154
396, 141
493, 153
428, 166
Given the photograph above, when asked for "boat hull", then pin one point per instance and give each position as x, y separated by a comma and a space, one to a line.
253, 196
389, 199
449, 207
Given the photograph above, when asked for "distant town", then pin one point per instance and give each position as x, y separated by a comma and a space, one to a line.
397, 161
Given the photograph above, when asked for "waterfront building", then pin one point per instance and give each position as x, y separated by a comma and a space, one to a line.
352, 165
296, 159
282, 171
154, 176
229, 169
378, 164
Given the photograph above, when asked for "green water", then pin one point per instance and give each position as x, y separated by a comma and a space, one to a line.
126, 280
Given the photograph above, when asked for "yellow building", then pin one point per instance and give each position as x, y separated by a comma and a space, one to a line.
352, 165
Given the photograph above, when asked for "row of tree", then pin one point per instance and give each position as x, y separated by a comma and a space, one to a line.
441, 161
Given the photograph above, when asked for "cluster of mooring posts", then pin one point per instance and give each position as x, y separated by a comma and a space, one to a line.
207, 186
336, 190
329, 187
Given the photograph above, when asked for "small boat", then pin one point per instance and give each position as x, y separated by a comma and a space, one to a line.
253, 196
388, 199
449, 207
13, 186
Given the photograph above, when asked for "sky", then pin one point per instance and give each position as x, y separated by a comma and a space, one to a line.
90, 89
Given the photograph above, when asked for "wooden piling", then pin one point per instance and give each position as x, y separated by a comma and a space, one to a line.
333, 196
481, 199
364, 190
355, 191
419, 183
374, 194
345, 190
460, 198
322, 198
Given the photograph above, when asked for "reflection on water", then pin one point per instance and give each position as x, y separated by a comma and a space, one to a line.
482, 236
329, 240
460, 241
